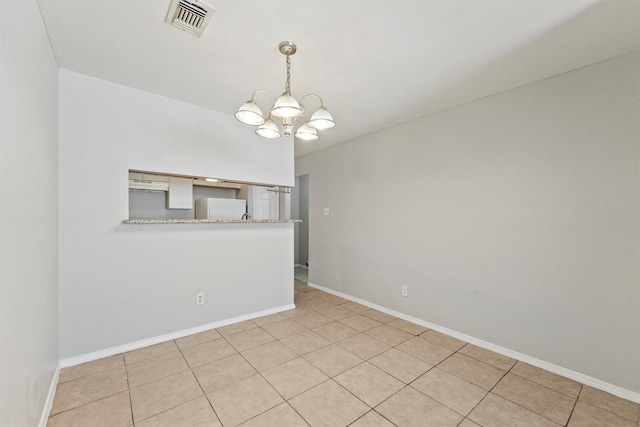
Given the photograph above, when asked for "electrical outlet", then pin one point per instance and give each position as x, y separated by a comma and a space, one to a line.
404, 291
200, 298
326, 211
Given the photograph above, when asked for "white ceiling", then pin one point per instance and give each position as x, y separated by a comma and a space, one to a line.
375, 63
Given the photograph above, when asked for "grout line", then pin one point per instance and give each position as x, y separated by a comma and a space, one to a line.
126, 372
575, 403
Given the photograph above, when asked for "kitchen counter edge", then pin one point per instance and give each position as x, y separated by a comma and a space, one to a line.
210, 221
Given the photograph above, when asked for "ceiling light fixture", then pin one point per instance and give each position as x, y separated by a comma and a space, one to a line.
286, 110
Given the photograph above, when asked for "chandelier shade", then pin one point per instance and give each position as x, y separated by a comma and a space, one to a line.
268, 129
306, 133
286, 109
321, 119
250, 113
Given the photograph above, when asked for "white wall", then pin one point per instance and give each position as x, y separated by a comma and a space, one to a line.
123, 283
514, 219
28, 214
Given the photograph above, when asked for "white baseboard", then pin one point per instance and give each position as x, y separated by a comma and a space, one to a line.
48, 404
559, 370
83, 358
306, 267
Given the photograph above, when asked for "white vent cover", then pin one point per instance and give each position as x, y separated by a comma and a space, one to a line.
190, 16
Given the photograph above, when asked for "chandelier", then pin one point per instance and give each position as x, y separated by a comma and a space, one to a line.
286, 110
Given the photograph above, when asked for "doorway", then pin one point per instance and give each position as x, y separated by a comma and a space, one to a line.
300, 210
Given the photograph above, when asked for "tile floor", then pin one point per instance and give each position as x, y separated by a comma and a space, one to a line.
329, 362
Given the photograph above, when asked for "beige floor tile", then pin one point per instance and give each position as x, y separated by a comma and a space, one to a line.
74, 393
355, 307
334, 299
543, 401
328, 405
282, 415
408, 327
302, 286
305, 342
149, 352
250, 338
401, 365
198, 338
468, 423
611, 403
294, 377
164, 394
244, 400
443, 340
547, 379
410, 408
269, 355
369, 384
311, 304
236, 327
336, 312
312, 320
316, 293
360, 323
112, 411
472, 370
333, 360
372, 419
303, 298
148, 370
585, 415
196, 413
388, 335
265, 320
223, 372
455, 393
425, 350
488, 356
363, 346
498, 412
207, 352
335, 331
89, 368
298, 311
319, 304
284, 328
379, 316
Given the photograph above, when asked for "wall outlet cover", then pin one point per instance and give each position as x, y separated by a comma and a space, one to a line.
200, 298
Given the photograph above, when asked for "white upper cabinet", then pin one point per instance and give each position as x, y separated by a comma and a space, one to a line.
180, 193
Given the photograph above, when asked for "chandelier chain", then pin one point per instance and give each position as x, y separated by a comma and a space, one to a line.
288, 87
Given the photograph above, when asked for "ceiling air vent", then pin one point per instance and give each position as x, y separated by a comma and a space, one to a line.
190, 16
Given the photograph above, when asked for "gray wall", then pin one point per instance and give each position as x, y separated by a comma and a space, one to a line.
122, 283
513, 219
28, 219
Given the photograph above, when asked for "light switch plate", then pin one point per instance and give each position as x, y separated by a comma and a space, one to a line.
326, 211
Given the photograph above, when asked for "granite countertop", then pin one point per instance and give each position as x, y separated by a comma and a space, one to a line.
210, 221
